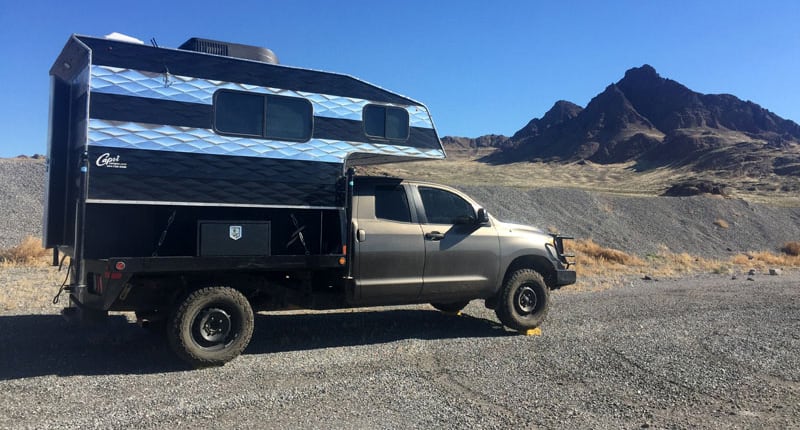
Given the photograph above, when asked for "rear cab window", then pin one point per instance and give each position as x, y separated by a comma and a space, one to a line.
391, 203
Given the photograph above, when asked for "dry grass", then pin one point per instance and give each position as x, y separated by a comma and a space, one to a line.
791, 248
721, 223
591, 253
28, 252
766, 259
28, 288
25, 280
600, 268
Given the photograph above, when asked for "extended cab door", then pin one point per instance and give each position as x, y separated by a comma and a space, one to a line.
389, 246
462, 256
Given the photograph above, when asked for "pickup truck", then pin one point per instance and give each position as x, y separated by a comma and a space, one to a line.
423, 242
196, 186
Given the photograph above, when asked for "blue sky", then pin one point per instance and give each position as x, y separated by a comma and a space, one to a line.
481, 67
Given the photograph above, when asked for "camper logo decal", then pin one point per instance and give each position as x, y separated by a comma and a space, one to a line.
235, 232
106, 160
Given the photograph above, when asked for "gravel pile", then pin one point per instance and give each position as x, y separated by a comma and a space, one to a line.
638, 225
645, 225
21, 196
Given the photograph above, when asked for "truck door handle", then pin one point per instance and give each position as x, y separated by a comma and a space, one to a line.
434, 235
361, 235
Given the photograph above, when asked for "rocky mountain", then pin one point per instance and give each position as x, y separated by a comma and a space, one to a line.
657, 121
487, 141
560, 112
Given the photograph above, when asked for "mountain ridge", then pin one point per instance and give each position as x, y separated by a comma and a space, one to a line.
655, 121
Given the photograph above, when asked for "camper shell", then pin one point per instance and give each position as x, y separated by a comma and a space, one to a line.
158, 156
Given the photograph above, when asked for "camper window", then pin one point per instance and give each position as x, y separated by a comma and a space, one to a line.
261, 115
239, 113
288, 118
387, 122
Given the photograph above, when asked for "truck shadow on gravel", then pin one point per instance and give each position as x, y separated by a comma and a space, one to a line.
298, 332
41, 345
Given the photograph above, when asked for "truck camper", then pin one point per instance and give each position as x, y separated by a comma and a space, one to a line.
195, 185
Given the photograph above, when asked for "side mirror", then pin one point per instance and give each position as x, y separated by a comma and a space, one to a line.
483, 216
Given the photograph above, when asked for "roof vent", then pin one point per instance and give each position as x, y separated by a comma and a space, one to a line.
228, 49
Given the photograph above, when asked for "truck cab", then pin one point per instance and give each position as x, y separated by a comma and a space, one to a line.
423, 242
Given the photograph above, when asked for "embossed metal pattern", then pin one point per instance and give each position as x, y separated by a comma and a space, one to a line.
166, 176
114, 80
184, 189
117, 134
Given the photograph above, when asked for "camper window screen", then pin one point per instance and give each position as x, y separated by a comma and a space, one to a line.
288, 118
243, 114
386, 122
239, 113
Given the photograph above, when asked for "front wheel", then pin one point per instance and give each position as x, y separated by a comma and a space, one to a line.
524, 300
211, 326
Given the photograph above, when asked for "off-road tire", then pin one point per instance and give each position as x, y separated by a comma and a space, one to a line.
211, 326
452, 307
524, 300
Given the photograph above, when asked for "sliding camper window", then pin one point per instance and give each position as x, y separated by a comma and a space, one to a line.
386, 122
262, 115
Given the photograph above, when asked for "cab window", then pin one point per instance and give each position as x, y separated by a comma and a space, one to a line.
391, 204
444, 207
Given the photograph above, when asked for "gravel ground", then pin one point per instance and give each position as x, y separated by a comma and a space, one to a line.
698, 352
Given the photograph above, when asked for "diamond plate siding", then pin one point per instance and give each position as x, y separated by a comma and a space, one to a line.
114, 80
127, 135
179, 177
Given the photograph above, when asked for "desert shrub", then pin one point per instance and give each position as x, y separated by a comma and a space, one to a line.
721, 223
587, 248
29, 251
791, 248
764, 259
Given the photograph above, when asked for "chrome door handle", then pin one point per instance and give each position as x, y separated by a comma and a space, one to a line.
434, 235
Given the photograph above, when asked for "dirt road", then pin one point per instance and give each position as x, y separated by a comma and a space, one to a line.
703, 351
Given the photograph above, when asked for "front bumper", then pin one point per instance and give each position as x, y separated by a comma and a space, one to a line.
564, 277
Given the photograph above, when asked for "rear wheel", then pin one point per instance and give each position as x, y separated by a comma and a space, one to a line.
451, 307
524, 300
211, 326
